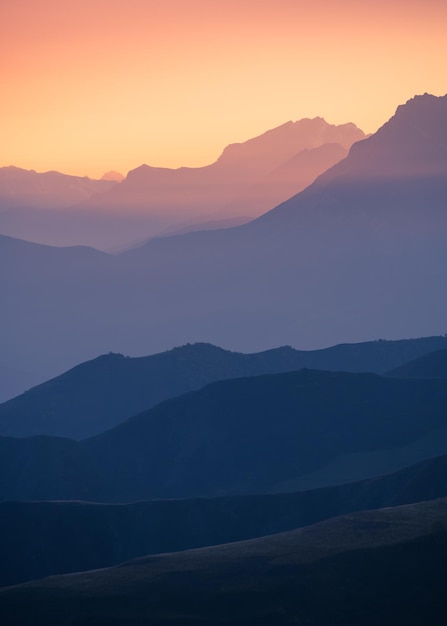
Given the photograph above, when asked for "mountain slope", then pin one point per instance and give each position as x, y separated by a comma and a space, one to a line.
432, 365
45, 538
14, 382
97, 395
37, 282
250, 435
387, 566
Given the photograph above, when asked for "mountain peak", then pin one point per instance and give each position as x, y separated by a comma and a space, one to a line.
285, 141
423, 109
411, 144
422, 101
113, 176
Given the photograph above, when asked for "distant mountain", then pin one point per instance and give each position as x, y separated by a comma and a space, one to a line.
299, 150
215, 224
287, 179
358, 255
40, 276
111, 388
262, 434
150, 201
28, 189
37, 206
112, 175
432, 365
359, 251
45, 538
383, 567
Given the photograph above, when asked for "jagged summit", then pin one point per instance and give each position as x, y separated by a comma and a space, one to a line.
286, 140
422, 103
412, 144
423, 117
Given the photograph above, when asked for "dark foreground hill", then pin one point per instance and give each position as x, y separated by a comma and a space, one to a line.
45, 538
383, 567
99, 394
281, 432
432, 365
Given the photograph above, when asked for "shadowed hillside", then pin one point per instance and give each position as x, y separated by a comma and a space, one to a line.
45, 538
387, 566
97, 395
250, 435
432, 365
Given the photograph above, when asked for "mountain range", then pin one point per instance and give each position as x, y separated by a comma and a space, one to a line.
28, 189
270, 486
357, 255
247, 179
262, 434
111, 388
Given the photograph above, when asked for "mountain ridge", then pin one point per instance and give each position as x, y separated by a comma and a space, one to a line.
21, 188
110, 388
386, 566
431, 365
151, 201
259, 434
46, 538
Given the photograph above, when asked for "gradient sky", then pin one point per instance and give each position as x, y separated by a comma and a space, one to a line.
93, 85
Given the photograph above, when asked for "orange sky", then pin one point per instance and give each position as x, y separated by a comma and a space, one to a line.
93, 85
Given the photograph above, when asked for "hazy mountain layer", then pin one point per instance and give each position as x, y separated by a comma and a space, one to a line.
111, 388
45, 538
247, 180
387, 566
358, 255
28, 189
249, 435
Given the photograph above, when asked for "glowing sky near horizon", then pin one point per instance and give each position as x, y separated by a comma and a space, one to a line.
94, 85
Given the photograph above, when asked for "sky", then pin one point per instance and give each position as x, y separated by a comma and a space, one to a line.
89, 86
